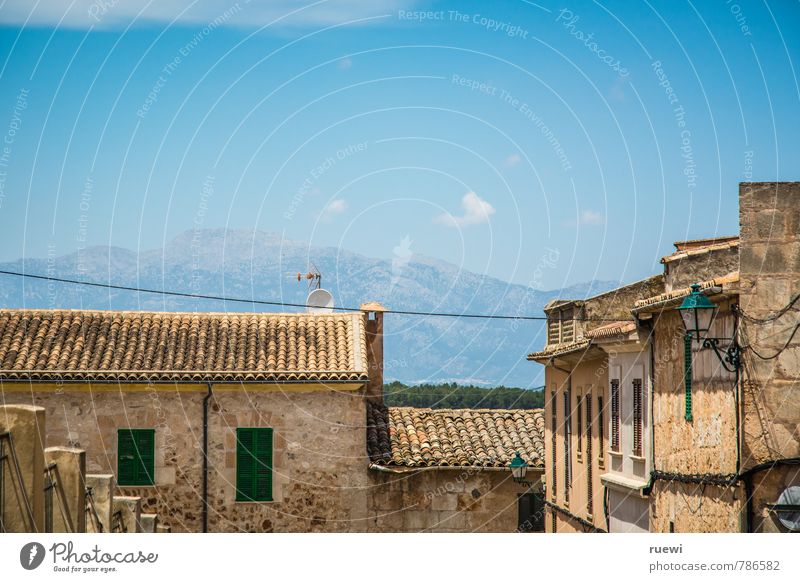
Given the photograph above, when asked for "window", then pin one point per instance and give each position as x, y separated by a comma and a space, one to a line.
567, 326
637, 417
561, 326
553, 431
579, 444
601, 428
253, 464
530, 512
136, 454
567, 445
589, 491
615, 415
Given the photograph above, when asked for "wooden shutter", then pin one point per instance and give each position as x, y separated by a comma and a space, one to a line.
553, 328
136, 456
567, 445
589, 460
637, 417
263, 477
553, 442
254, 464
601, 428
580, 424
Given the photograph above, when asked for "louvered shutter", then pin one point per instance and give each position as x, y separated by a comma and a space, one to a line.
263, 476
637, 417
254, 464
245, 464
146, 449
126, 458
136, 456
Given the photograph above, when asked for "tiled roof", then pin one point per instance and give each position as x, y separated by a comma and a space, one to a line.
665, 299
422, 437
143, 346
612, 329
691, 248
555, 350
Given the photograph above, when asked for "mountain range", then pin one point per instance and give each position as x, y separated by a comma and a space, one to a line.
263, 265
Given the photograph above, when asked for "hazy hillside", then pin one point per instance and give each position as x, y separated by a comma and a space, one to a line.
257, 265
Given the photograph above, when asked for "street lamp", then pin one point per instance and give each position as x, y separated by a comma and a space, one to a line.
697, 312
519, 468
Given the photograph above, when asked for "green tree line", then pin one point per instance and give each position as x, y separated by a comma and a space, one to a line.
460, 396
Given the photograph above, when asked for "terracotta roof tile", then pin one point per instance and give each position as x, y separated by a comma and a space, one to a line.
186, 347
555, 350
691, 248
676, 295
612, 329
424, 437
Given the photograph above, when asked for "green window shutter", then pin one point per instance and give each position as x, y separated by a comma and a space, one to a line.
254, 464
687, 375
136, 456
146, 445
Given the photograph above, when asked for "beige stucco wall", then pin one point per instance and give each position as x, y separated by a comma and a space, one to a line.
445, 500
588, 375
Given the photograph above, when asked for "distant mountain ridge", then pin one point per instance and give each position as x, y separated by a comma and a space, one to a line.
257, 265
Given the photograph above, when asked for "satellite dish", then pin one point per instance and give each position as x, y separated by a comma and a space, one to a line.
319, 301
790, 519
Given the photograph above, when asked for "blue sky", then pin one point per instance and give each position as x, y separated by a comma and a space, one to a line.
493, 136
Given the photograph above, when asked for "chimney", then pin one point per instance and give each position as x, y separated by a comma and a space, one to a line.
373, 322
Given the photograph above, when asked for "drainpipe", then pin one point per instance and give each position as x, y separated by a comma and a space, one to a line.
206, 399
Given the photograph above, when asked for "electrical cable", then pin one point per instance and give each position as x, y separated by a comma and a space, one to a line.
285, 304
780, 313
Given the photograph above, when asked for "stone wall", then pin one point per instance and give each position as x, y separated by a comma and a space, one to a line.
769, 215
706, 444
696, 268
693, 508
445, 500
320, 478
616, 304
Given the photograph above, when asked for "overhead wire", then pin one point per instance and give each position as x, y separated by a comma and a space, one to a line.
287, 304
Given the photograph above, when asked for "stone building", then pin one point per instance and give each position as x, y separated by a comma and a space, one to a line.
694, 402
233, 422
722, 411
578, 423
447, 470
736, 451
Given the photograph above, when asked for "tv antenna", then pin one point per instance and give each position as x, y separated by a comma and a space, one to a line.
319, 300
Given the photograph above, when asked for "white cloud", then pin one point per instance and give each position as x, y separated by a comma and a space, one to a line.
512, 160
590, 217
333, 209
475, 211
345, 64
255, 13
